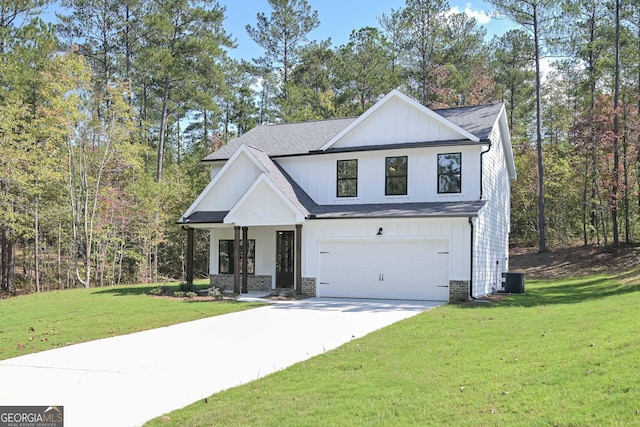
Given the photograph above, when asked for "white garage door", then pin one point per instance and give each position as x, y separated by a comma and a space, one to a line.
402, 269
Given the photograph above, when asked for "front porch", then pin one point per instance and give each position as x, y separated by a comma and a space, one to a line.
256, 258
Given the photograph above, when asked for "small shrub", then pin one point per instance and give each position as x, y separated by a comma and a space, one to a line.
215, 293
187, 287
159, 291
179, 294
191, 294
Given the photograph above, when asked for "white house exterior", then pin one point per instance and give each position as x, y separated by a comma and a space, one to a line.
400, 203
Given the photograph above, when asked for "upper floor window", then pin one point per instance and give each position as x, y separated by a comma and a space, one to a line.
396, 176
226, 258
449, 173
347, 178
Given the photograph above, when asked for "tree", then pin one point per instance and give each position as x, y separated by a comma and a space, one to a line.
239, 108
282, 33
13, 14
96, 147
536, 16
95, 26
424, 23
513, 56
182, 37
587, 40
312, 85
464, 55
364, 71
33, 51
616, 130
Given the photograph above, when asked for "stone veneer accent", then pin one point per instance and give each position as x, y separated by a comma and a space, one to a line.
255, 282
458, 290
309, 286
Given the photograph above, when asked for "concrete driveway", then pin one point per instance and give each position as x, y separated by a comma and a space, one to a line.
127, 380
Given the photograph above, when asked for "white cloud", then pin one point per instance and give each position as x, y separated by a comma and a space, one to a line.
481, 16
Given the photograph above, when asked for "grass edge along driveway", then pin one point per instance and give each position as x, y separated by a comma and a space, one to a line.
565, 353
38, 322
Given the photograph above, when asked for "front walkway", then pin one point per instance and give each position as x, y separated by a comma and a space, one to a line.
127, 380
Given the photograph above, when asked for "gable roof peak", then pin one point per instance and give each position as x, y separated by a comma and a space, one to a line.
395, 93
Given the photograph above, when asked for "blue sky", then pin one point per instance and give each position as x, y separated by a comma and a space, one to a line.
338, 18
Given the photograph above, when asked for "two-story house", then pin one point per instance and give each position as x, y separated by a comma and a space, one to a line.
402, 202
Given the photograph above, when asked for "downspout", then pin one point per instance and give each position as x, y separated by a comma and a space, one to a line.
471, 261
481, 168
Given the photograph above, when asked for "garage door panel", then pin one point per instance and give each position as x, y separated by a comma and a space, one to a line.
403, 269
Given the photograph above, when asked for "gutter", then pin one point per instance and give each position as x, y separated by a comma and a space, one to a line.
481, 166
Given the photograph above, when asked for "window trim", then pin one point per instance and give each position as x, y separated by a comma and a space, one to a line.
230, 243
457, 175
404, 176
339, 179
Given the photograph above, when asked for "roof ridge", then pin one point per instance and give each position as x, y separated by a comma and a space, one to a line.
490, 104
307, 121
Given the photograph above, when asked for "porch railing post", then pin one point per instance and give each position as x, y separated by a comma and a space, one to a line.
245, 258
236, 260
298, 258
190, 232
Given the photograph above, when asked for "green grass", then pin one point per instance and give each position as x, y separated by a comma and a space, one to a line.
37, 322
566, 353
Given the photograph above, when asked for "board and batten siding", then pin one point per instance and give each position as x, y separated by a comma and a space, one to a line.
454, 230
396, 122
317, 175
230, 186
492, 227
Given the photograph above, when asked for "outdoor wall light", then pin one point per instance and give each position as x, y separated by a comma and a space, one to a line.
379, 232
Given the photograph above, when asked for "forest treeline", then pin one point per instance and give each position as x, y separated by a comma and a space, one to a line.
106, 113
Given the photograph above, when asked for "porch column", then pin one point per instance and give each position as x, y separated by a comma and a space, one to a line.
236, 260
190, 232
245, 250
298, 258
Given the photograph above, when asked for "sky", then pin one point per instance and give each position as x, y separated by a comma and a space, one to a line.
338, 18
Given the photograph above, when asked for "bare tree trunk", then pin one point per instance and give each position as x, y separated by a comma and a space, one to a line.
585, 206
4, 270
163, 127
36, 243
542, 247
616, 131
625, 168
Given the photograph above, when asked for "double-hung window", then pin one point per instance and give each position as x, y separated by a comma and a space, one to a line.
396, 176
226, 257
347, 178
449, 173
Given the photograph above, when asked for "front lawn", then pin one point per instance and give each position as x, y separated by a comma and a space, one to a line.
37, 322
566, 353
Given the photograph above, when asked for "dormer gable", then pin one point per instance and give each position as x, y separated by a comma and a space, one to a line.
397, 119
230, 183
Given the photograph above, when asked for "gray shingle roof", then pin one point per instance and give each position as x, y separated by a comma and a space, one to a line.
303, 138
282, 181
478, 120
399, 210
386, 210
205, 217
285, 139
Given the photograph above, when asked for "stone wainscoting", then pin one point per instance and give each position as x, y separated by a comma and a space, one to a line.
458, 290
309, 286
255, 282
